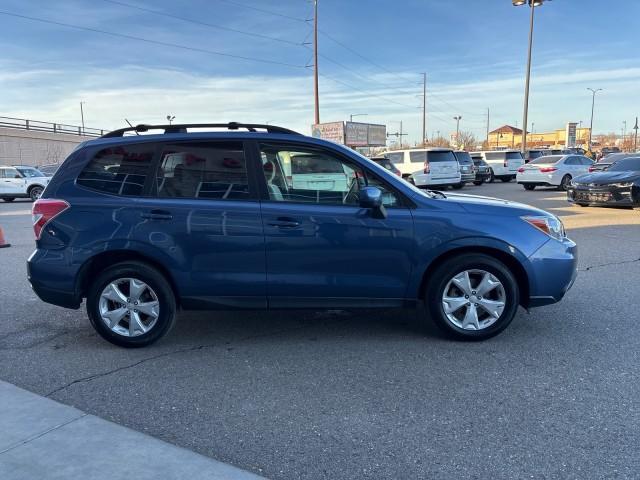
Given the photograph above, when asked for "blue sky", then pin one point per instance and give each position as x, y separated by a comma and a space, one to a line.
473, 52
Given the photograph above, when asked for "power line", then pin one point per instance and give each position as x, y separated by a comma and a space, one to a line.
147, 40
201, 23
364, 91
251, 7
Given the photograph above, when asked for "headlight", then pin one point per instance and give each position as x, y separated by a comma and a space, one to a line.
622, 185
551, 225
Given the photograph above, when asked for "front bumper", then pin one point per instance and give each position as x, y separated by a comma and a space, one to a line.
554, 268
608, 195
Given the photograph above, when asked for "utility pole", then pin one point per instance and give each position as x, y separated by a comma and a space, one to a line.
532, 6
315, 62
400, 134
82, 116
624, 131
635, 142
593, 102
457, 118
487, 126
424, 108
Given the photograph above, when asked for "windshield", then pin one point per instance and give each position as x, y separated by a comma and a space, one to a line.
464, 158
626, 165
514, 156
548, 159
30, 172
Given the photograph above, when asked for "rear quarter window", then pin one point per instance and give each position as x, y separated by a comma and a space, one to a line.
118, 169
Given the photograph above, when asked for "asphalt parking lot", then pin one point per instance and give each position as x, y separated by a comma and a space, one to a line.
341, 395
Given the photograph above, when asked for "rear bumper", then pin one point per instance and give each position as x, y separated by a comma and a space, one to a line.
555, 268
52, 282
426, 181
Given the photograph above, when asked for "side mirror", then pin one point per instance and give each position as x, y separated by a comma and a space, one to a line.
371, 197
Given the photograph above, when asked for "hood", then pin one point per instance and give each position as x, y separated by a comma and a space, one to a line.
607, 177
495, 206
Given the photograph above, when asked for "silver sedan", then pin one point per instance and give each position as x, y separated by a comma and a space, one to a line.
552, 171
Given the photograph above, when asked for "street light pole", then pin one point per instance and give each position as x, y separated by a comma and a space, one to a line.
457, 118
532, 5
357, 115
424, 109
82, 116
593, 102
315, 63
635, 142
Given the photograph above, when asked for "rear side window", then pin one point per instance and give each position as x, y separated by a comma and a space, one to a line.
495, 155
441, 157
514, 156
119, 170
397, 157
463, 158
418, 157
207, 170
314, 164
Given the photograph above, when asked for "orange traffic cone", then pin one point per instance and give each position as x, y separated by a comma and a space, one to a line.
3, 243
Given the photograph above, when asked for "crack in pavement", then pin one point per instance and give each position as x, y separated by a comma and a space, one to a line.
608, 264
89, 378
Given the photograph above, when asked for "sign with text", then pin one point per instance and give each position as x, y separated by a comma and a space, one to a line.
377, 136
356, 134
333, 131
571, 135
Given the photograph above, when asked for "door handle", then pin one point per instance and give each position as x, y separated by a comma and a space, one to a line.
157, 215
284, 223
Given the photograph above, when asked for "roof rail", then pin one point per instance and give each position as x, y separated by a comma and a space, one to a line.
182, 128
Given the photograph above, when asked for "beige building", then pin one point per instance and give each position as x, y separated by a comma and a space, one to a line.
511, 137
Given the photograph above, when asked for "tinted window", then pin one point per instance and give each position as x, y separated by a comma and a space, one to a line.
628, 164
535, 154
120, 170
312, 164
30, 172
441, 157
585, 161
464, 158
397, 157
418, 157
572, 161
495, 155
545, 160
384, 162
514, 156
204, 170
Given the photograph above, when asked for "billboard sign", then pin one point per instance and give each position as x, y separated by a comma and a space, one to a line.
571, 135
333, 131
377, 135
356, 134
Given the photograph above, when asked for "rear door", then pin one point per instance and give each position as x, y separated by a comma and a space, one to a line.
513, 161
443, 165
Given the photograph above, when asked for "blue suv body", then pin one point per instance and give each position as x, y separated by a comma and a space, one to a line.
261, 217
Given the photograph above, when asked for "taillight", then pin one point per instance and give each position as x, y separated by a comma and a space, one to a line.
506, 163
592, 169
521, 170
427, 169
43, 211
548, 169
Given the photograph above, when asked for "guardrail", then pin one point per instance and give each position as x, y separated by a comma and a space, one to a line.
36, 125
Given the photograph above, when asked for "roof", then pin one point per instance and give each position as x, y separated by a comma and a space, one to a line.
508, 129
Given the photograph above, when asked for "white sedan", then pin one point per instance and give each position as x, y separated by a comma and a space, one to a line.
552, 171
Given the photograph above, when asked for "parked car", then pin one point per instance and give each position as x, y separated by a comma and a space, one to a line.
605, 162
574, 151
21, 182
481, 169
49, 170
619, 185
467, 172
553, 171
503, 164
427, 167
388, 164
138, 237
533, 154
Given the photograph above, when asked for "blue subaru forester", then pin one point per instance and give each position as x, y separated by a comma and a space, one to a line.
245, 216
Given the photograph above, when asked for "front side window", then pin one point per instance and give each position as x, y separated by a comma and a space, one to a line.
119, 170
295, 174
30, 172
207, 170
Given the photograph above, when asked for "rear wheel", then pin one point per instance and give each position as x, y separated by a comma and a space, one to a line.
35, 192
564, 183
472, 297
478, 182
529, 186
492, 177
131, 304
8, 199
458, 186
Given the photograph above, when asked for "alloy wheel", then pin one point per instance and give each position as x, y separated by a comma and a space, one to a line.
129, 307
473, 299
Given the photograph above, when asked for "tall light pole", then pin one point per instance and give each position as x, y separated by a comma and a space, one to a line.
593, 102
457, 118
635, 142
532, 5
315, 63
357, 115
624, 131
170, 118
82, 115
424, 108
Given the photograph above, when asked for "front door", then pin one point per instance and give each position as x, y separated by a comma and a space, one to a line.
322, 248
12, 182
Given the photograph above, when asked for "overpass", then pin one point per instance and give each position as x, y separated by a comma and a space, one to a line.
32, 142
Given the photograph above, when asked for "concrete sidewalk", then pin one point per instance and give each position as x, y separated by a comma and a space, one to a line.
43, 439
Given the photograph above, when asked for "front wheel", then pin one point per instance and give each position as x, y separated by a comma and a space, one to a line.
564, 183
492, 177
458, 186
35, 193
131, 304
528, 186
478, 182
472, 297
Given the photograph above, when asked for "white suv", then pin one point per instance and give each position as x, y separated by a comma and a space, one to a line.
504, 164
21, 182
426, 167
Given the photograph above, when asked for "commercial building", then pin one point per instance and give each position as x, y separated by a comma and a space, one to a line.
511, 137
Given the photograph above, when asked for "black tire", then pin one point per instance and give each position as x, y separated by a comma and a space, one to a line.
8, 199
564, 183
458, 186
35, 192
450, 268
581, 204
478, 183
528, 186
492, 177
505, 179
154, 279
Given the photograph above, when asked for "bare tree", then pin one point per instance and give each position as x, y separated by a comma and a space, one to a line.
466, 141
438, 142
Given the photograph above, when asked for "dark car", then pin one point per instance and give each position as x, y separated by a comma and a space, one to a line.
143, 225
605, 162
533, 154
49, 170
482, 170
619, 185
467, 173
388, 164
